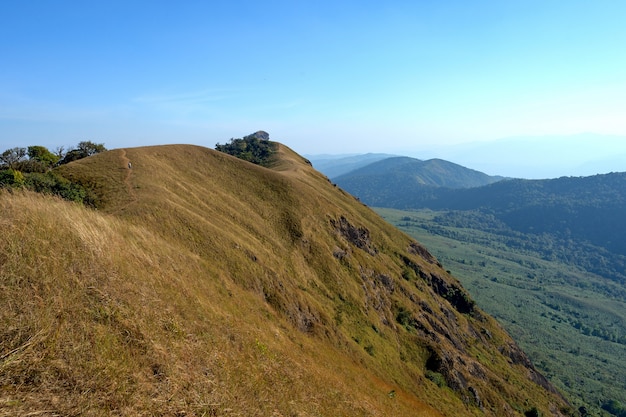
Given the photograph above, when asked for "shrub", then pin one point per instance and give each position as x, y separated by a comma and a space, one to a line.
253, 148
11, 178
51, 183
84, 149
437, 378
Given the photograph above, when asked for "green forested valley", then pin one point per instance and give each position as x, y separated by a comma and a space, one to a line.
562, 299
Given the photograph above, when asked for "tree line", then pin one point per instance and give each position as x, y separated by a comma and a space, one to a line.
32, 168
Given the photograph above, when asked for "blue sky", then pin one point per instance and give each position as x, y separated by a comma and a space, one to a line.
320, 76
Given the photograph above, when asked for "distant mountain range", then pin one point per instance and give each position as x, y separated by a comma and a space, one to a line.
335, 165
529, 157
589, 208
407, 175
389, 180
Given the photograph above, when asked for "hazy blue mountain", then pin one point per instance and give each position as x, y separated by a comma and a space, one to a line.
403, 176
336, 165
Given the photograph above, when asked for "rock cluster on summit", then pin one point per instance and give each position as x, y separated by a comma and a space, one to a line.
261, 135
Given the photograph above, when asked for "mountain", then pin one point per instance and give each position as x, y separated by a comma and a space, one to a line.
335, 165
206, 285
547, 258
398, 177
586, 208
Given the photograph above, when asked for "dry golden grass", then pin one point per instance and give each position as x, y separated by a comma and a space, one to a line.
207, 286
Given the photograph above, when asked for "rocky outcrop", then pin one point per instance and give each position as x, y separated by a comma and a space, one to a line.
358, 236
261, 135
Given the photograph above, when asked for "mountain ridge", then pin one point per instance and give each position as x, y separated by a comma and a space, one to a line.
585, 207
432, 172
386, 181
335, 165
136, 307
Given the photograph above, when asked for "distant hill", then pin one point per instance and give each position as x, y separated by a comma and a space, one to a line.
335, 165
384, 182
207, 285
586, 208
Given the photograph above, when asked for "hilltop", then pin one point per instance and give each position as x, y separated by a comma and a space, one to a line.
206, 285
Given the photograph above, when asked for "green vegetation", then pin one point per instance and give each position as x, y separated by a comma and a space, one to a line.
83, 150
584, 209
562, 299
393, 181
615, 408
33, 169
55, 184
255, 148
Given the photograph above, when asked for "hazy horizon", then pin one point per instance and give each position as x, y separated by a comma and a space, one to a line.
538, 157
321, 77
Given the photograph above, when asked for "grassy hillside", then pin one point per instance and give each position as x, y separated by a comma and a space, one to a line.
570, 320
203, 285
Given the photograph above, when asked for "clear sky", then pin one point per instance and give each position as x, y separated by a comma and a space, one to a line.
319, 76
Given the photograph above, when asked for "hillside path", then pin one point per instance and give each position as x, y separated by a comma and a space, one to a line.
127, 177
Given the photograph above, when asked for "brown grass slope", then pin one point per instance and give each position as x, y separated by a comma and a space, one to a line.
207, 286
